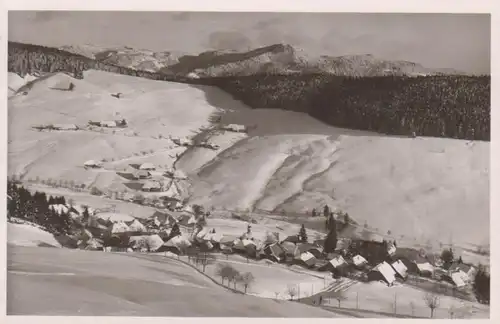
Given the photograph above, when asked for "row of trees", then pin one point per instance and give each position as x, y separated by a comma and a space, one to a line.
37, 209
229, 273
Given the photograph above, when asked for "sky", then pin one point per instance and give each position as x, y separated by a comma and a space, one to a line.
458, 41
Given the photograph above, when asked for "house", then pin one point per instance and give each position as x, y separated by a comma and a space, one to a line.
65, 127
425, 269
234, 128
91, 244
359, 262
458, 278
160, 218
337, 265
391, 249
136, 226
151, 186
118, 227
465, 271
400, 269
250, 247
147, 166
63, 85
109, 123
289, 248
146, 243
275, 251
182, 141
306, 259
292, 238
92, 164
308, 247
382, 272
142, 174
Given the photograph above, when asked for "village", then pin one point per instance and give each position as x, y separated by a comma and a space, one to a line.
181, 230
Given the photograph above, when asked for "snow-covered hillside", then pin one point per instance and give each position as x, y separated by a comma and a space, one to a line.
154, 111
29, 235
432, 188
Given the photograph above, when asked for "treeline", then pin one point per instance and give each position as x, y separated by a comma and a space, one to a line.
452, 106
29, 59
36, 208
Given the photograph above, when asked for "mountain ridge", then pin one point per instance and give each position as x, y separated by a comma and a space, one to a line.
276, 59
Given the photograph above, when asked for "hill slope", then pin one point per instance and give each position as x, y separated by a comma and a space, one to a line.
103, 284
429, 188
154, 111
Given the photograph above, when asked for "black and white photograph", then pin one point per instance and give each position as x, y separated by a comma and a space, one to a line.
248, 164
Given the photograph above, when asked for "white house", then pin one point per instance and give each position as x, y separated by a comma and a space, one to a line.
147, 166
384, 272
400, 268
108, 123
92, 164
234, 128
359, 261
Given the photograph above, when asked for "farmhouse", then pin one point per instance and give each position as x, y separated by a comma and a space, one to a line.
147, 166
182, 141
466, 272
337, 265
151, 186
142, 174
65, 127
63, 85
307, 259
136, 226
382, 272
425, 269
109, 123
400, 269
275, 252
359, 262
235, 128
92, 164
308, 247
146, 243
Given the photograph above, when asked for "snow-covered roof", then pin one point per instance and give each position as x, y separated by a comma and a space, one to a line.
391, 249
115, 217
458, 278
387, 271
91, 163
248, 243
338, 261
400, 268
308, 258
151, 185
65, 126
147, 166
137, 226
153, 241
425, 267
359, 260
119, 227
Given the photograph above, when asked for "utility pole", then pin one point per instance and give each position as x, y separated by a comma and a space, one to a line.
357, 300
298, 293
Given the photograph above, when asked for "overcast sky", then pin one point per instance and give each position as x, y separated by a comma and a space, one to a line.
459, 41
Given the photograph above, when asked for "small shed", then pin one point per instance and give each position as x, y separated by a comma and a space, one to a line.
92, 164
151, 186
147, 166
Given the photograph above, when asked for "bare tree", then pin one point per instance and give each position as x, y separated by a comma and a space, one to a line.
247, 279
277, 294
431, 301
206, 259
292, 291
234, 276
